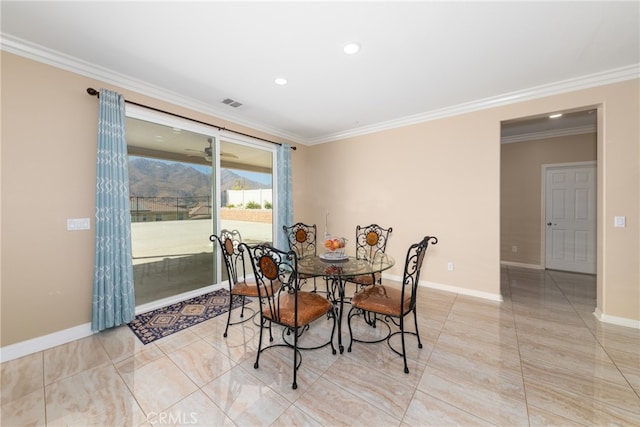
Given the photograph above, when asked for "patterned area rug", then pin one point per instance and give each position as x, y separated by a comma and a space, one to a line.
165, 321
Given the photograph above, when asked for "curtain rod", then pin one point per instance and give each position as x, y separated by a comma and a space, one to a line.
91, 91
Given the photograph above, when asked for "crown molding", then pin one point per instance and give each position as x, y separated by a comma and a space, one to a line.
598, 79
532, 136
39, 53
57, 59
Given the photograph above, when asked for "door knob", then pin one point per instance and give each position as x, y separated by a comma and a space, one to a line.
549, 224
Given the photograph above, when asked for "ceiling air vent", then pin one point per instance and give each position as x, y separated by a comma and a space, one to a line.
230, 102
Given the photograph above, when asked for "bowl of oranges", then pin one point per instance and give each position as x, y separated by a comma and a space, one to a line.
336, 248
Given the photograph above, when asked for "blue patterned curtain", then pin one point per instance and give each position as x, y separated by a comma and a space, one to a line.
113, 296
284, 216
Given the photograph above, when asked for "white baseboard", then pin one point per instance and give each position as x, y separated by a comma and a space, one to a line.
522, 265
449, 288
615, 320
463, 291
24, 348
45, 342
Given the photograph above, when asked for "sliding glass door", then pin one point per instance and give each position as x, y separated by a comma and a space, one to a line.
171, 194
187, 182
246, 191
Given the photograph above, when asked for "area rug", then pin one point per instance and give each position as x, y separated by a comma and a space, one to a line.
165, 321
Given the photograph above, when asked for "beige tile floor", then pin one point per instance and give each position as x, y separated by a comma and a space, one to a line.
538, 358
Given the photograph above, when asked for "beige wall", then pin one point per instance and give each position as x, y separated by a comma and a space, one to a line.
443, 178
440, 177
521, 190
427, 179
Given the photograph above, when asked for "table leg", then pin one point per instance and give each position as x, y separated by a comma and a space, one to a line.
337, 284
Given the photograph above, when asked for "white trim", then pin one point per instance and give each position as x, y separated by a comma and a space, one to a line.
44, 342
450, 288
463, 291
615, 320
17, 46
584, 82
533, 136
522, 265
24, 348
39, 53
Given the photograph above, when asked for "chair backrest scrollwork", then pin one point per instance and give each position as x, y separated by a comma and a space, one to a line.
301, 239
275, 271
233, 257
371, 241
412, 268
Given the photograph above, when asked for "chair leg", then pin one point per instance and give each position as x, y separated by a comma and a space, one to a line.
255, 365
350, 330
404, 350
295, 358
333, 331
226, 329
242, 309
415, 320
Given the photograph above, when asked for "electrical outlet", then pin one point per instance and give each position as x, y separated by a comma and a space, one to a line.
514, 248
450, 266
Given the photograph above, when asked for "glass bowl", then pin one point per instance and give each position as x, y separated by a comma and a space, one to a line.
335, 245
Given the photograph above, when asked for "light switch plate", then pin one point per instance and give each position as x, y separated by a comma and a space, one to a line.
75, 224
620, 221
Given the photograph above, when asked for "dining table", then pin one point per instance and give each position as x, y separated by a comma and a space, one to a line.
337, 270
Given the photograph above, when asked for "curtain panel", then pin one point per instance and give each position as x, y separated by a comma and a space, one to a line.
284, 215
113, 292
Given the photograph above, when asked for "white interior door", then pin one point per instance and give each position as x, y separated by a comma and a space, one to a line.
570, 218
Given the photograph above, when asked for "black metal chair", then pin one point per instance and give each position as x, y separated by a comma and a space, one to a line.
282, 301
240, 283
393, 303
302, 239
371, 242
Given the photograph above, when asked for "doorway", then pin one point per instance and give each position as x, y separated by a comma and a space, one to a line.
527, 144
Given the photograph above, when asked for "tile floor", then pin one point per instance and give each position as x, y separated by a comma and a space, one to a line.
538, 358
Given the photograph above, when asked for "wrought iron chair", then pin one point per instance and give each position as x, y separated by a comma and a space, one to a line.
371, 241
237, 268
302, 240
393, 303
285, 305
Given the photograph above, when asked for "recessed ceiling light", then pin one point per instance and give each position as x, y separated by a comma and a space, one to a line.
555, 116
281, 81
351, 48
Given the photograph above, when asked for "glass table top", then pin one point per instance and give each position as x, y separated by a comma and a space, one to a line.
350, 266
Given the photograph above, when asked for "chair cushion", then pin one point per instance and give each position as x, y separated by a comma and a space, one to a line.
365, 279
311, 306
382, 299
250, 289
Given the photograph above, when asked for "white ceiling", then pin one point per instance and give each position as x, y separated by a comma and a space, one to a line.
419, 60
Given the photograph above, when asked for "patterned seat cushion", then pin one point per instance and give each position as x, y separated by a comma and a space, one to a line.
311, 306
249, 288
381, 299
365, 279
